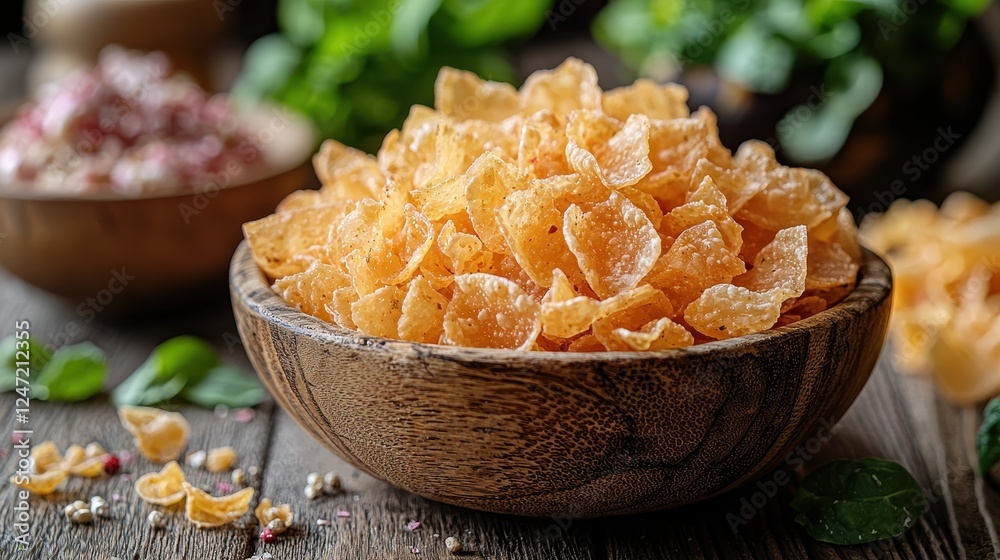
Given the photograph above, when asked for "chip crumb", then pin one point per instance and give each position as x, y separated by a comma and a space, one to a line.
454, 545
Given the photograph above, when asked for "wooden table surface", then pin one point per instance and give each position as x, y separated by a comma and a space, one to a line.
897, 417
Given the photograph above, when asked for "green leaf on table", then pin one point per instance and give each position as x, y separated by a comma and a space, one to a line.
13, 351
75, 373
988, 437
853, 502
226, 385
171, 367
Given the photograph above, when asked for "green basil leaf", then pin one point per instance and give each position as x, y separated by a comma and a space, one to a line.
171, 366
38, 356
75, 373
227, 385
988, 437
852, 502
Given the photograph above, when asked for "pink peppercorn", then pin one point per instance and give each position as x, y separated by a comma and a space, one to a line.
112, 464
268, 536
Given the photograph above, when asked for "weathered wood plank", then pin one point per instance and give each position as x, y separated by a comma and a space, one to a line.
125, 535
379, 514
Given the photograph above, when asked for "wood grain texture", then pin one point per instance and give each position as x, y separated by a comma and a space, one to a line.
140, 249
562, 434
896, 417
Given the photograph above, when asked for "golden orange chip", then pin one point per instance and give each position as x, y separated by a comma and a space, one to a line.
726, 311
45, 457
532, 224
661, 334
422, 312
164, 488
346, 172
462, 95
488, 311
266, 512
276, 240
378, 313
205, 511
490, 181
614, 242
77, 463
608, 151
704, 203
41, 484
339, 307
586, 343
699, 258
781, 265
578, 220
160, 436
792, 196
312, 290
465, 251
572, 86
220, 459
541, 149
830, 266
646, 97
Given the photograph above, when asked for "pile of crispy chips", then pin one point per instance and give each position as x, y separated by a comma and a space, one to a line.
946, 295
559, 217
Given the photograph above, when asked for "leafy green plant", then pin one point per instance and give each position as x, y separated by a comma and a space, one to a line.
355, 67
71, 373
853, 502
847, 48
988, 437
188, 368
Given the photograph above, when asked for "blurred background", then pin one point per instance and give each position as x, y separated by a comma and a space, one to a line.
889, 97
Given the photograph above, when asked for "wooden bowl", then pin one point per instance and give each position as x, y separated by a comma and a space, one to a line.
563, 434
136, 250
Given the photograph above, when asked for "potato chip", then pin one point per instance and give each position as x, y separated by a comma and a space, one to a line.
532, 224
77, 463
781, 265
465, 251
378, 313
608, 151
699, 258
646, 97
726, 311
586, 343
220, 459
792, 196
614, 242
311, 290
347, 173
204, 511
662, 334
462, 95
40, 484
488, 311
572, 86
705, 203
160, 436
422, 314
164, 488
45, 457
276, 240
578, 221
490, 181
266, 512
830, 266
541, 150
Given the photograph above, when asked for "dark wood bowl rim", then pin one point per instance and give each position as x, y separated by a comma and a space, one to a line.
248, 283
